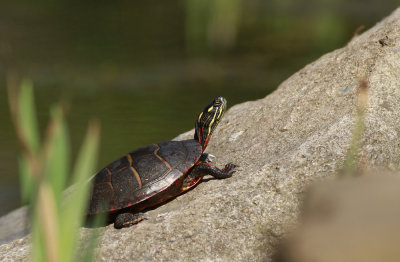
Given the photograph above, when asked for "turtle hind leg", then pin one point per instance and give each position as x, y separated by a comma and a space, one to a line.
128, 219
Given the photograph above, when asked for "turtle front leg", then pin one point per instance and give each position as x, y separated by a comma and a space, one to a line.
203, 169
128, 219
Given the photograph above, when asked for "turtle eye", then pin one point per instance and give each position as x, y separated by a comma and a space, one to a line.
218, 101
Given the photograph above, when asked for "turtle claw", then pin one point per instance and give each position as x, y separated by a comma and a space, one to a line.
230, 168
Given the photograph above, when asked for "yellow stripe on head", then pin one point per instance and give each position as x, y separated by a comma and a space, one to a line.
211, 123
198, 120
219, 115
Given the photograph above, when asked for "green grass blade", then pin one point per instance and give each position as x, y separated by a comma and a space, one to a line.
56, 154
27, 182
92, 240
47, 222
56, 217
27, 117
38, 244
73, 209
22, 107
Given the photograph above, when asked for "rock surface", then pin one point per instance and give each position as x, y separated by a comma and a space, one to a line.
349, 220
14, 225
294, 136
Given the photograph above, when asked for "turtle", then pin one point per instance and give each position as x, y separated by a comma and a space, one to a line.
154, 174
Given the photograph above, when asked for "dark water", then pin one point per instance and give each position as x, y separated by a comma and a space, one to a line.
146, 69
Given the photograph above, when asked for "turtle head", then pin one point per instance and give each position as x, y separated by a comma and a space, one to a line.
208, 120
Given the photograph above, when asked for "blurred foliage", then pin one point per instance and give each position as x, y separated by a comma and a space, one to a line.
55, 216
211, 24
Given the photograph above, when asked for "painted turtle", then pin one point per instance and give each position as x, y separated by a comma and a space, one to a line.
155, 173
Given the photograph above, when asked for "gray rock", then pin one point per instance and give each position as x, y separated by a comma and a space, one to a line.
296, 135
14, 225
348, 220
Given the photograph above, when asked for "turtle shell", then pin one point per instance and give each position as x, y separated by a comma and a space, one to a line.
142, 174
